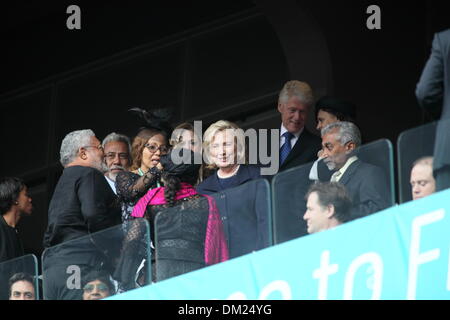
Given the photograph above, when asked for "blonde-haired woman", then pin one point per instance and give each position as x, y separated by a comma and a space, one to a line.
224, 148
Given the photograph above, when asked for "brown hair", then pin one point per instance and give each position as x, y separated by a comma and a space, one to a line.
138, 144
185, 126
333, 193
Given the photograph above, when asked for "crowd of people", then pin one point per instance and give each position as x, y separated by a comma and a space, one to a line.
186, 204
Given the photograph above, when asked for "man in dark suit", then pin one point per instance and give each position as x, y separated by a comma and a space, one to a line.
329, 110
365, 183
433, 93
83, 203
297, 145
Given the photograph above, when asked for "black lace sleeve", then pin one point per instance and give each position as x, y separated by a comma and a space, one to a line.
135, 249
131, 187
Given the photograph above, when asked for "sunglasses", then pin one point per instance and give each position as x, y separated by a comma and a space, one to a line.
101, 287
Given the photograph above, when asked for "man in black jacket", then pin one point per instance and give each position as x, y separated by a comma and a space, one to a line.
82, 204
298, 148
433, 94
297, 145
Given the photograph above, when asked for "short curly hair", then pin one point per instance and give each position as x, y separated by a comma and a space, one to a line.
72, 143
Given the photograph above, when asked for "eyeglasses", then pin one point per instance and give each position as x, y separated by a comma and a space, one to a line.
153, 148
100, 286
99, 147
112, 155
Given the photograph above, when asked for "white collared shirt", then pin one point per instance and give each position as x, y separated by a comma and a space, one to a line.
293, 140
338, 174
111, 183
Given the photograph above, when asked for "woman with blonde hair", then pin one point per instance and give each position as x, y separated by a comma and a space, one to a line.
224, 148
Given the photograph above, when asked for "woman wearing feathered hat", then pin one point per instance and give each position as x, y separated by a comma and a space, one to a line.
149, 144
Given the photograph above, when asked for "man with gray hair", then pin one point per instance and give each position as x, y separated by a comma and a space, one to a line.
365, 183
117, 149
297, 145
82, 203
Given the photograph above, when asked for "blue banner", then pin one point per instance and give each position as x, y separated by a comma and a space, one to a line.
399, 253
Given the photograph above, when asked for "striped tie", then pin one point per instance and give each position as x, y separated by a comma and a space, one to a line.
286, 147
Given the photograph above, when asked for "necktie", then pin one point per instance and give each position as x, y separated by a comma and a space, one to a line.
286, 148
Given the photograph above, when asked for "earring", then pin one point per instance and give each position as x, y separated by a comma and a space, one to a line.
17, 202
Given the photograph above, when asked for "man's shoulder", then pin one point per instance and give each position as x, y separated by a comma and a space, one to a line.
442, 41
366, 167
445, 34
82, 171
81, 175
307, 133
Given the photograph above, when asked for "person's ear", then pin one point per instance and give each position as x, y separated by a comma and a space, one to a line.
330, 211
280, 107
82, 153
350, 146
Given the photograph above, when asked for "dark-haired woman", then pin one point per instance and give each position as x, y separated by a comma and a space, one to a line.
185, 136
189, 232
14, 203
148, 146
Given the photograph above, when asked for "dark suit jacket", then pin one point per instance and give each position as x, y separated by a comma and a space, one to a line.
304, 151
10, 245
433, 92
367, 187
83, 203
244, 212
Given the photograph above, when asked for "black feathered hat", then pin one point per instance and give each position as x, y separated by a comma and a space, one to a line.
154, 119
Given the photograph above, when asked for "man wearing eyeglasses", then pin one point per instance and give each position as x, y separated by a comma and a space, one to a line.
365, 183
82, 204
117, 148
